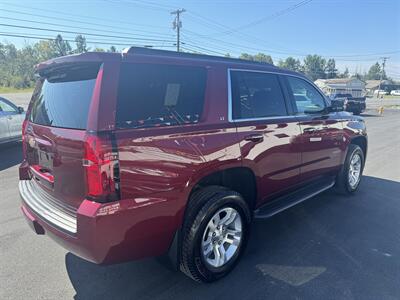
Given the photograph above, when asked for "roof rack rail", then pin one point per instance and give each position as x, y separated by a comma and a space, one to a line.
148, 51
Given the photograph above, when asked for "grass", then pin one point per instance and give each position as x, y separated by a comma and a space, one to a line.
8, 90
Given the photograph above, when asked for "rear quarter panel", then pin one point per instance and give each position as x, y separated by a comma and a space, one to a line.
160, 166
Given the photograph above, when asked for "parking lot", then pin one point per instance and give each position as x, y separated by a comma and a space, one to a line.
330, 247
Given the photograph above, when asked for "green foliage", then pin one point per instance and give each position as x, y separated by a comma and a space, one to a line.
17, 65
62, 47
291, 63
112, 49
80, 42
345, 74
331, 71
375, 73
259, 57
314, 67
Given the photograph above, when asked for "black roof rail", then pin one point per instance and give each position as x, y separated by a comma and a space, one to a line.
149, 51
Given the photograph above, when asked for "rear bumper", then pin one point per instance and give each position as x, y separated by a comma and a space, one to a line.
106, 233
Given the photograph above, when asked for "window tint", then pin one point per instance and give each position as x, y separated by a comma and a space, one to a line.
256, 95
306, 97
62, 99
5, 107
159, 95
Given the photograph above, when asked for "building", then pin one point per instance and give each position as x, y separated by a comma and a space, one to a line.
352, 86
386, 85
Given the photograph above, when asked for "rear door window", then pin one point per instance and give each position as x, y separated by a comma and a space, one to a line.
63, 96
152, 95
256, 95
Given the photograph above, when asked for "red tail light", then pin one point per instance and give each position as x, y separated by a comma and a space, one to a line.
24, 147
102, 168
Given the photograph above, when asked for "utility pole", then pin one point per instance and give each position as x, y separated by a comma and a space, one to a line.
177, 24
382, 71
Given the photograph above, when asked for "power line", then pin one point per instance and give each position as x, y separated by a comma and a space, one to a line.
77, 21
78, 27
83, 33
270, 17
80, 16
108, 42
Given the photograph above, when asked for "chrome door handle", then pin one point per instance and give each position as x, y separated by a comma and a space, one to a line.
309, 130
9, 117
255, 138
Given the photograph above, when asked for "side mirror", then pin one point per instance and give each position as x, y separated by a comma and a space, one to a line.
335, 107
21, 109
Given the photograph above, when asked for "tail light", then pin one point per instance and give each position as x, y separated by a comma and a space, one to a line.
24, 146
101, 167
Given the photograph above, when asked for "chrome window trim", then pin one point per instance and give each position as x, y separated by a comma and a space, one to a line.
230, 116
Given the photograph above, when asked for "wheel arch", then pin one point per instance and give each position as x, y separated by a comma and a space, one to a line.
360, 141
239, 179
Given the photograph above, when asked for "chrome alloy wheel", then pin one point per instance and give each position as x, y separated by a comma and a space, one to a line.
354, 170
222, 236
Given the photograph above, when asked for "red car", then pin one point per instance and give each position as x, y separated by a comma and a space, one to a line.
157, 153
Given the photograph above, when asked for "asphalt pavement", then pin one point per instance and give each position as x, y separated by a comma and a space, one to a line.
329, 247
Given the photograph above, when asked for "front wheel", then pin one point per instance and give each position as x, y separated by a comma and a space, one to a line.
349, 178
215, 233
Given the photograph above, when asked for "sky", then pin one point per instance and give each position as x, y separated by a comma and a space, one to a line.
357, 33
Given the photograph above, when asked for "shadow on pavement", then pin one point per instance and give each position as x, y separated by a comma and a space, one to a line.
369, 115
330, 246
10, 155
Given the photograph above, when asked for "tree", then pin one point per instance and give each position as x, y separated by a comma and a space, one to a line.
263, 58
112, 49
246, 56
259, 57
291, 64
80, 42
331, 71
345, 74
375, 72
314, 67
62, 47
45, 50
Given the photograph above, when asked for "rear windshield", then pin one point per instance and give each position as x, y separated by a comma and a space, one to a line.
62, 97
159, 95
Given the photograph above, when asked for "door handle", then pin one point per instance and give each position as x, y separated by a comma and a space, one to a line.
309, 130
255, 138
9, 117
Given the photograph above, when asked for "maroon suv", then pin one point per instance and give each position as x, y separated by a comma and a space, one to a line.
157, 153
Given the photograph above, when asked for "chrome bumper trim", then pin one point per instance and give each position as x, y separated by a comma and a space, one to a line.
48, 207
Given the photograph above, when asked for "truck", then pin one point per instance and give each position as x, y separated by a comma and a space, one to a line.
356, 105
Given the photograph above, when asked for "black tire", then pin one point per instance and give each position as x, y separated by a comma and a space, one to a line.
202, 205
342, 180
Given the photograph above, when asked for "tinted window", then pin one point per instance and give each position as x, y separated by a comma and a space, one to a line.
159, 95
63, 97
305, 95
256, 95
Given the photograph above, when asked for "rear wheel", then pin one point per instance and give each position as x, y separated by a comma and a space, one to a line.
349, 178
215, 233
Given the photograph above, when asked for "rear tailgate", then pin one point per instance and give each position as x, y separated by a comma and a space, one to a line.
55, 132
